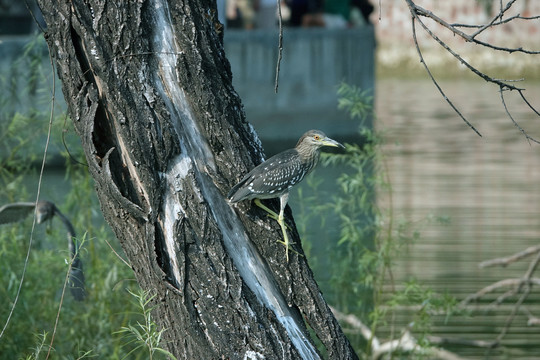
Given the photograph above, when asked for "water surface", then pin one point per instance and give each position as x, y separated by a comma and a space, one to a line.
487, 187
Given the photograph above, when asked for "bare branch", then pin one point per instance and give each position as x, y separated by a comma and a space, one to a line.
456, 55
405, 343
512, 315
516, 288
514, 282
532, 320
521, 285
280, 46
437, 340
529, 138
528, 104
356, 323
532, 267
505, 261
433, 79
497, 23
498, 16
417, 11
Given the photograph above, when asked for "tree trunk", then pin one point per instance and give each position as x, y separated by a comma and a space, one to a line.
149, 91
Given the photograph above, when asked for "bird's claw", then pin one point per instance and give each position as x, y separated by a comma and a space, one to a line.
289, 247
286, 242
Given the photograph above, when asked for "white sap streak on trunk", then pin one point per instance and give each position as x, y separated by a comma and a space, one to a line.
172, 211
132, 168
251, 266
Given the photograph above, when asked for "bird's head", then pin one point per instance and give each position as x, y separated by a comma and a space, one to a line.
315, 139
45, 211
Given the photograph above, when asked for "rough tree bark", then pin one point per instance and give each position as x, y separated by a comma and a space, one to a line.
149, 91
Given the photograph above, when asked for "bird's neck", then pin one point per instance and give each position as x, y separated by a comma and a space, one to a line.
308, 153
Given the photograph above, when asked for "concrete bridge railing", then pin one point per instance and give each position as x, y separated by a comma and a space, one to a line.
314, 62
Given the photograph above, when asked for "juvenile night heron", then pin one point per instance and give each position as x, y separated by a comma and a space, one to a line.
274, 177
46, 210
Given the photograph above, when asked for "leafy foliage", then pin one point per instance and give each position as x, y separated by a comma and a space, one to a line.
144, 335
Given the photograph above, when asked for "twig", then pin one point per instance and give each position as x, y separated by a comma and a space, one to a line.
505, 261
118, 255
434, 81
66, 280
406, 342
417, 11
512, 315
498, 16
356, 323
528, 104
280, 46
437, 340
499, 284
500, 299
497, 23
529, 138
533, 320
31, 11
522, 284
532, 267
456, 55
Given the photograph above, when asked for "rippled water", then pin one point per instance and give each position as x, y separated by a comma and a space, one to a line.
487, 187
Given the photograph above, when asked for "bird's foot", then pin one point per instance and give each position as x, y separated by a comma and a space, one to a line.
286, 241
289, 247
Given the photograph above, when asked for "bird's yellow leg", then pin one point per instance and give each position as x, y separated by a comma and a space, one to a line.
284, 231
270, 212
281, 221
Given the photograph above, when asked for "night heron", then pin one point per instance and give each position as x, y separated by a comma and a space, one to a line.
274, 177
46, 210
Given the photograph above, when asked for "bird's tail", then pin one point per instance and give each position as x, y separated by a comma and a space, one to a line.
76, 279
238, 192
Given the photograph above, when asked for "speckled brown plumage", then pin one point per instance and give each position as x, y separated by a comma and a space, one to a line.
277, 175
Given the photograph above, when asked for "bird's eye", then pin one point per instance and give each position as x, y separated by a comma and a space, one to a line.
317, 137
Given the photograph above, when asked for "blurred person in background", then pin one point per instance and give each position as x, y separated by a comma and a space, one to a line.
329, 13
265, 14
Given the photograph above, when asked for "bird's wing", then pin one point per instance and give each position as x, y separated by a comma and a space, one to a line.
11, 213
279, 172
265, 179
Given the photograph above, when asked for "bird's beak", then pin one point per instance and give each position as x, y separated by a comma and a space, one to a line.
329, 142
